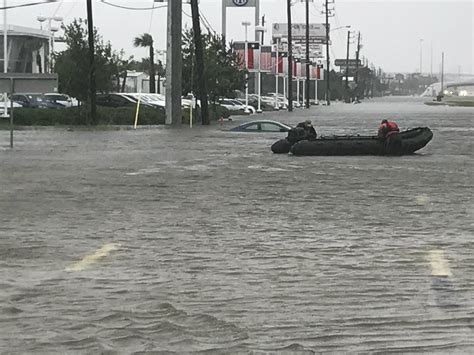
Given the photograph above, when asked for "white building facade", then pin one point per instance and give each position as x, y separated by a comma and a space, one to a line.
28, 50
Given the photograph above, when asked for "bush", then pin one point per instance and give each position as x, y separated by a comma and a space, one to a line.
76, 116
215, 112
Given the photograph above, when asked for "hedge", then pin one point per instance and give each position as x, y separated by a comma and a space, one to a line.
77, 116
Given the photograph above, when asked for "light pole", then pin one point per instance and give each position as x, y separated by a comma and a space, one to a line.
162, 54
277, 38
421, 56
52, 30
260, 30
297, 56
246, 24
285, 101
5, 53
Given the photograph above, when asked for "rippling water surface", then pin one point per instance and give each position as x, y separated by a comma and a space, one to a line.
203, 240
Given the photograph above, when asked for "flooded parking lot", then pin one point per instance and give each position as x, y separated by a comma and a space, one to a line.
186, 240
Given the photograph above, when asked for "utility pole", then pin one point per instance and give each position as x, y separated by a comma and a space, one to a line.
174, 64
421, 56
290, 59
442, 73
200, 62
92, 86
328, 93
307, 55
347, 64
431, 59
356, 76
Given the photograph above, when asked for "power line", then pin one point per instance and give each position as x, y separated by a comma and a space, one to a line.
61, 2
131, 8
208, 26
28, 4
151, 20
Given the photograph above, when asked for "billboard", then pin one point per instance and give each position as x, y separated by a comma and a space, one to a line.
345, 63
298, 30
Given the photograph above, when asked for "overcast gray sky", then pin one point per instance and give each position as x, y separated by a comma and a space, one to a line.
391, 30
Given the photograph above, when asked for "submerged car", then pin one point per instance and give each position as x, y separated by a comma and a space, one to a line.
262, 126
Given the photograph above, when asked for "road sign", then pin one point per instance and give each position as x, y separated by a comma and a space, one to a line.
298, 30
344, 63
240, 3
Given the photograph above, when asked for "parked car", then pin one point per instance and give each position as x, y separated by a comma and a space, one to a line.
128, 100
62, 99
35, 101
114, 100
235, 105
9, 104
262, 126
146, 99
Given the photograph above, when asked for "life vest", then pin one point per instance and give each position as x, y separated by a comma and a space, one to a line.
388, 128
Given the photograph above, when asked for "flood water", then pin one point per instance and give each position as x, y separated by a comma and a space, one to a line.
202, 240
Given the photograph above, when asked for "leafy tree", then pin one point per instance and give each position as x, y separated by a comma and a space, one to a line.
72, 65
223, 70
146, 40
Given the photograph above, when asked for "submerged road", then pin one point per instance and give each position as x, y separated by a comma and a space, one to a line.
203, 240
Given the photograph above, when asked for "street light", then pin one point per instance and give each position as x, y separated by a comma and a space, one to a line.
246, 24
52, 30
297, 55
260, 30
284, 40
421, 56
277, 64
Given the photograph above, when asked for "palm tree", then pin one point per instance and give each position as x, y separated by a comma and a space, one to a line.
146, 40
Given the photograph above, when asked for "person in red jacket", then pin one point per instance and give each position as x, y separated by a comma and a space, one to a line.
387, 128
388, 132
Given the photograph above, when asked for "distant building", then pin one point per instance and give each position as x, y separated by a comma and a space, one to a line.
28, 50
140, 82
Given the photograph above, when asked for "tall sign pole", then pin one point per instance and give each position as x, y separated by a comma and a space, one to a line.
347, 63
290, 59
5, 39
92, 86
307, 55
328, 92
5, 54
257, 20
174, 63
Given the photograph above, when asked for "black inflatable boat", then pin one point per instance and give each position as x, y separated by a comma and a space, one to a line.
408, 142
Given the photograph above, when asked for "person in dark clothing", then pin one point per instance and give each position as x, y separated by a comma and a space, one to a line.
308, 128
